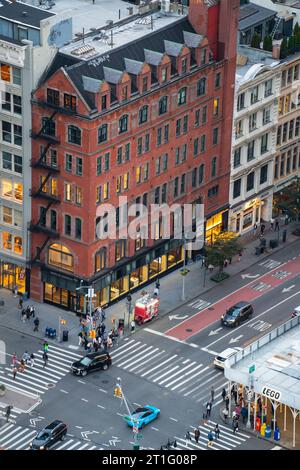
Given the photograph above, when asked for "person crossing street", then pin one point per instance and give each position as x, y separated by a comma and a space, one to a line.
212, 393
45, 359
197, 435
188, 438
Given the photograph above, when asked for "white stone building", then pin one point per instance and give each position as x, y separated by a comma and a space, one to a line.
254, 139
25, 52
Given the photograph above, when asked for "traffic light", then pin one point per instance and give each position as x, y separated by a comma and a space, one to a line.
118, 392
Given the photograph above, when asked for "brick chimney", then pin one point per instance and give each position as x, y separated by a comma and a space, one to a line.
276, 51
204, 17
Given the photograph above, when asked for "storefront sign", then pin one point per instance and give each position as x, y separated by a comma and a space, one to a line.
250, 204
270, 393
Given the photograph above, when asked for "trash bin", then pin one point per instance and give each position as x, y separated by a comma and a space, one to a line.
257, 250
268, 432
277, 434
284, 234
273, 243
257, 424
263, 430
121, 323
65, 335
52, 333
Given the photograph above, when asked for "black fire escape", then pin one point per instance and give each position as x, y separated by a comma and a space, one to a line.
42, 192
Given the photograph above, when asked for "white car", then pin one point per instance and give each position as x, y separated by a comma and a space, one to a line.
224, 355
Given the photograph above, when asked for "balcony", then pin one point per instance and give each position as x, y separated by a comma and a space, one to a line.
43, 195
38, 228
53, 139
42, 164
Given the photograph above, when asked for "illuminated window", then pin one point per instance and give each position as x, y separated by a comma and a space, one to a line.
106, 191
59, 255
69, 102
216, 106
287, 103
119, 182
138, 175
54, 187
18, 192
7, 241
7, 189
18, 245
5, 72
7, 215
68, 192
43, 181
100, 259
78, 196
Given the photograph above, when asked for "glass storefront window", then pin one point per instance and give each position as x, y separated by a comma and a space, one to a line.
56, 295
155, 267
174, 257
138, 276
12, 276
118, 287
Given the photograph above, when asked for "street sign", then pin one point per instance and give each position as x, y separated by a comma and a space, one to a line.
251, 369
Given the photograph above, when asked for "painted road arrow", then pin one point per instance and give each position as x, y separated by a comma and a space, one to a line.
33, 421
215, 332
235, 340
177, 317
85, 434
287, 289
250, 276
113, 441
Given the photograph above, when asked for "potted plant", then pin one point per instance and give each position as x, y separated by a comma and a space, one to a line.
2, 390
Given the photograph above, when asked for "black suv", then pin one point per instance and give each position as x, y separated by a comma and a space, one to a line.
56, 431
236, 314
91, 362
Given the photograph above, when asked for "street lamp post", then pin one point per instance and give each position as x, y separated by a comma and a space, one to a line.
89, 295
135, 437
129, 299
183, 273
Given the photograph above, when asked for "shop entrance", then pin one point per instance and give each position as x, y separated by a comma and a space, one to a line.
12, 277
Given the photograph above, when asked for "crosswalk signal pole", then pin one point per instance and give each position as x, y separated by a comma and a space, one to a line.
136, 444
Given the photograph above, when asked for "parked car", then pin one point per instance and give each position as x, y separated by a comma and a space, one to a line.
142, 416
48, 436
219, 360
91, 362
237, 314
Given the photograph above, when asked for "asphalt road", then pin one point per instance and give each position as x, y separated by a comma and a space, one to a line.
156, 369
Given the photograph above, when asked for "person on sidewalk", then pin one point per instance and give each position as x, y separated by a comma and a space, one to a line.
23, 315
244, 413
36, 322
262, 229
225, 414
21, 302
197, 435
272, 223
132, 326
276, 225
239, 256
254, 229
223, 394
286, 219
227, 402
235, 426
217, 431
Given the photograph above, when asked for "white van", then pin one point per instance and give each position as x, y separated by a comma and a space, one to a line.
224, 355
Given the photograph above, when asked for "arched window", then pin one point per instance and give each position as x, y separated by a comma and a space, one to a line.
60, 256
74, 135
163, 105
123, 123
201, 87
143, 114
182, 96
100, 259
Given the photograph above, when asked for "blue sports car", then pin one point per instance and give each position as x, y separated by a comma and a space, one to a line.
142, 416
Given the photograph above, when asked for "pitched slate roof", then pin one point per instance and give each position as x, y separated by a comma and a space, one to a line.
172, 48
133, 66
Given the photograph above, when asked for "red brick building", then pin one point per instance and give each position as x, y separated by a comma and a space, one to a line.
150, 119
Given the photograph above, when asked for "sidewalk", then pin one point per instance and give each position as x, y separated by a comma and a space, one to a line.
170, 291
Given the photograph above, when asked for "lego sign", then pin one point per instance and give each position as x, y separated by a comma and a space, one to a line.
270, 393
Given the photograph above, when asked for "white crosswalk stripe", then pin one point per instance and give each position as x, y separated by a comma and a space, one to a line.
199, 304
15, 437
38, 379
184, 376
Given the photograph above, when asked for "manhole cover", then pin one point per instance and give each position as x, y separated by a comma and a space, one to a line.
50, 385
105, 381
189, 330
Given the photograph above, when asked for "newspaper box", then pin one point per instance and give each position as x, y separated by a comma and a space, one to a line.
145, 309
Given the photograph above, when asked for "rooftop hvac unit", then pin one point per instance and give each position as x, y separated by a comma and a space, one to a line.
165, 6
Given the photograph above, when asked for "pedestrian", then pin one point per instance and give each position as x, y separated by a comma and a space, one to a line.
208, 409
239, 256
205, 417
197, 435
187, 438
109, 342
212, 393
23, 315
32, 310
28, 312
272, 223
132, 326
223, 394
21, 302
262, 229
14, 359
36, 323
80, 340
217, 431
31, 360
210, 439
156, 292
45, 359
286, 219
276, 225
235, 426
26, 357
244, 413
103, 315
254, 229
225, 414
14, 371
7, 412
227, 402
22, 366
45, 346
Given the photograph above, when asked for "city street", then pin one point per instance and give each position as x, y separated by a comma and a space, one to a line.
155, 368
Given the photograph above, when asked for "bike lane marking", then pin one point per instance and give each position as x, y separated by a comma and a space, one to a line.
193, 325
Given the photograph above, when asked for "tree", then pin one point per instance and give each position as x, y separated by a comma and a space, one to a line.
289, 200
284, 49
255, 41
291, 44
224, 248
268, 44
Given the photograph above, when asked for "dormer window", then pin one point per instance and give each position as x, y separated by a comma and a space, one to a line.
125, 93
144, 84
103, 102
52, 96
184, 64
203, 56
164, 74
69, 102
